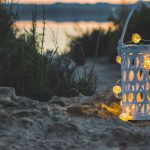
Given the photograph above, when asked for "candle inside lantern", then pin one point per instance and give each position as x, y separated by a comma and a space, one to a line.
147, 62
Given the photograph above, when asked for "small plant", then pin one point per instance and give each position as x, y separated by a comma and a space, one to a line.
86, 83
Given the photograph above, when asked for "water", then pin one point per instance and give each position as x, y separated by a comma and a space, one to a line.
56, 32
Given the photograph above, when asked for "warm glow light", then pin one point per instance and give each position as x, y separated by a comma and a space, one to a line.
118, 59
124, 97
114, 109
130, 97
140, 97
116, 89
136, 38
147, 62
121, 103
126, 117
131, 75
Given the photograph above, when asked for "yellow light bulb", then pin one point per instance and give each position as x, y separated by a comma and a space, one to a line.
124, 117
116, 89
118, 59
136, 38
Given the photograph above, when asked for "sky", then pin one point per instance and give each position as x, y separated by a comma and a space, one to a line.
77, 1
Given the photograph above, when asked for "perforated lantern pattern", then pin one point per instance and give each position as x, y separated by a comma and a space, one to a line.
135, 71
135, 86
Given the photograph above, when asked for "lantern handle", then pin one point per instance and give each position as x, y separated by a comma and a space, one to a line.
121, 41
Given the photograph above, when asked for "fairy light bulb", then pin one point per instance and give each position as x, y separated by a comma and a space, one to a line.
117, 89
136, 38
118, 59
124, 117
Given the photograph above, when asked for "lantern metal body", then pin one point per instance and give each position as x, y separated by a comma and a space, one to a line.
135, 71
135, 82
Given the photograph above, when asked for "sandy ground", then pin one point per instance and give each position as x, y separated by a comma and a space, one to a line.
77, 123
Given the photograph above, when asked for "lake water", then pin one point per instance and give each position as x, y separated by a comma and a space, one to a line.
56, 32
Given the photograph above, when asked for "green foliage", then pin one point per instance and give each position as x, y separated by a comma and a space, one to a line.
33, 73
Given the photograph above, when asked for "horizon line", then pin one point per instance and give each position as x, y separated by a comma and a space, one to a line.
72, 3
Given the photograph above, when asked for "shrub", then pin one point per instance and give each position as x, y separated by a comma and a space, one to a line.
88, 44
25, 66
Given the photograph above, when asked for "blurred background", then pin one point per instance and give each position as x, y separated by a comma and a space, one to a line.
64, 47
69, 17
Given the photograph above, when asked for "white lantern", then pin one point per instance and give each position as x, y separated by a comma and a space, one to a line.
135, 70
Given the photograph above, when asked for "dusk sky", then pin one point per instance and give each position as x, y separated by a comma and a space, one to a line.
78, 1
